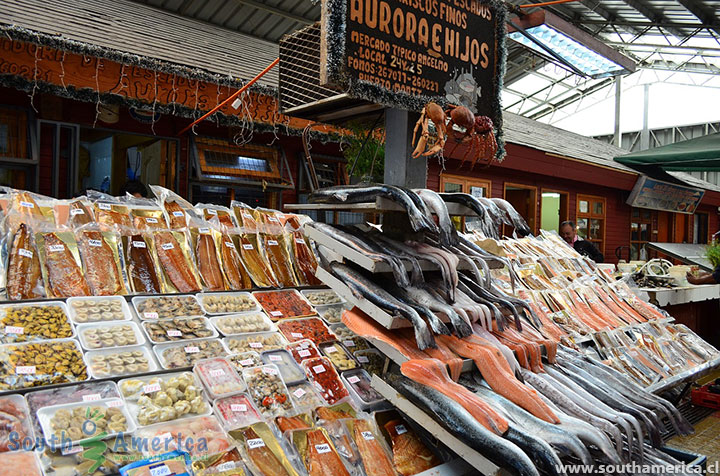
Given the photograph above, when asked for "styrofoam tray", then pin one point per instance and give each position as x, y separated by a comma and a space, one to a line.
215, 320
9, 338
73, 312
252, 338
202, 296
189, 348
6, 350
276, 313
205, 320
137, 300
46, 414
308, 292
152, 364
82, 328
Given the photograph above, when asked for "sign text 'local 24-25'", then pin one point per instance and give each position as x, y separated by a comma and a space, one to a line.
424, 48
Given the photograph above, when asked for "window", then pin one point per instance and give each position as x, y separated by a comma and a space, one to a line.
591, 220
13, 133
458, 184
700, 228
524, 199
641, 228
222, 160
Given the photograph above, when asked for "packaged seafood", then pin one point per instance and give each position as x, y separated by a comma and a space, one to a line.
24, 275
375, 456
303, 256
116, 363
169, 330
175, 463
338, 355
143, 270
109, 336
264, 453
25, 207
79, 422
236, 411
28, 460
206, 242
326, 380
276, 249
290, 371
166, 307
100, 255
176, 215
112, 216
219, 377
254, 342
371, 360
318, 452
29, 322
16, 431
148, 219
229, 464
216, 213
302, 350
322, 297
304, 396
332, 314
184, 354
61, 362
284, 304
341, 437
244, 323
267, 389
96, 309
176, 208
358, 382
349, 339
164, 397
300, 421
173, 254
61, 266
227, 303
335, 412
184, 435
410, 455
311, 328
78, 213
245, 359
235, 272
255, 264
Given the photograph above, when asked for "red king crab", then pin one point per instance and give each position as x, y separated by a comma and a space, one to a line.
478, 132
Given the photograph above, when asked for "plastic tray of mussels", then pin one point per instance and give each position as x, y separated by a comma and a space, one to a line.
167, 307
23, 322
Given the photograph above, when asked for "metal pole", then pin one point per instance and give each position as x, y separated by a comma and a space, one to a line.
645, 133
400, 167
617, 137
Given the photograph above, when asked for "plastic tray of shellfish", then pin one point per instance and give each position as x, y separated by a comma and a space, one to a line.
216, 304
164, 397
24, 322
178, 355
244, 323
322, 297
108, 363
85, 310
178, 329
110, 335
167, 307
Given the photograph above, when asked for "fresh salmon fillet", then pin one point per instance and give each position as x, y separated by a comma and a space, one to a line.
237, 276
410, 455
262, 457
175, 263
65, 278
24, 278
374, 458
362, 325
208, 264
433, 373
322, 459
101, 271
141, 269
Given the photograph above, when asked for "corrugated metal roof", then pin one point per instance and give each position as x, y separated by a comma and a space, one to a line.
131, 27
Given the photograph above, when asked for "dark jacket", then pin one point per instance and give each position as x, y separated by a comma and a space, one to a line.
586, 248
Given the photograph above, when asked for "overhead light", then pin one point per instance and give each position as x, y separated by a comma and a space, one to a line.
550, 35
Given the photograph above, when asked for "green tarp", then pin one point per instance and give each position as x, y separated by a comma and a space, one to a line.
695, 155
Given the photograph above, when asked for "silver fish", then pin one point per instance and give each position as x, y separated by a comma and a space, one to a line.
448, 233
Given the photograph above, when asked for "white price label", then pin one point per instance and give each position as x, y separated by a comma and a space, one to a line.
304, 353
275, 358
255, 443
299, 241
246, 362
247, 246
76, 211
400, 429
152, 388
276, 313
353, 379
270, 370
324, 448
161, 470
75, 449
25, 253
25, 369
56, 248
27, 204
167, 246
210, 211
299, 393
273, 220
363, 360
204, 231
230, 244
297, 335
151, 220
95, 243
192, 349
256, 345
349, 343
93, 397
139, 244
227, 466
104, 206
318, 369
150, 315
238, 408
367, 435
14, 330
272, 242
247, 215
217, 372
178, 214
331, 349
174, 333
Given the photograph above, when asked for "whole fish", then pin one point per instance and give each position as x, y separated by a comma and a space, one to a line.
422, 296
24, 277
381, 241
362, 287
437, 326
474, 204
368, 193
448, 233
517, 221
461, 424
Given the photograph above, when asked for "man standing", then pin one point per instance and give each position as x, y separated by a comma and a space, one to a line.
568, 232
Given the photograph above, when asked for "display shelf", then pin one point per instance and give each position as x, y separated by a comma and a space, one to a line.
685, 377
381, 205
669, 297
472, 457
393, 354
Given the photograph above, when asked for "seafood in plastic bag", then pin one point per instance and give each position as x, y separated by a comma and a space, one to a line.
303, 257
208, 261
235, 272
176, 208
99, 254
259, 270
61, 267
170, 248
24, 277
142, 273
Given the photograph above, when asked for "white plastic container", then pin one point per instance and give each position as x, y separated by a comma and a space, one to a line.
243, 323
10, 334
322, 297
172, 334
195, 309
184, 354
101, 312
87, 344
357, 381
98, 371
220, 311
259, 342
219, 377
46, 414
290, 371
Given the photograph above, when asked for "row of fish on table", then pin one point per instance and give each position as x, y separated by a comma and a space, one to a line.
532, 401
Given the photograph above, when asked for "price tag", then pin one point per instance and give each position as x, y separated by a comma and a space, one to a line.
27, 204
204, 231
160, 470
72, 450
270, 370
304, 353
318, 369
331, 349
300, 241
96, 243
151, 220
324, 448
238, 408
150, 315
115, 403
152, 388
255, 443
93, 397
139, 244
299, 393
273, 220
367, 435
14, 330
276, 313
104, 206
297, 335
76, 211
400, 429
246, 362
247, 246
227, 466
272, 242
56, 248
25, 369
349, 343
210, 211
191, 350
178, 214
174, 333
167, 246
256, 345
247, 215
230, 244
275, 358
25, 253
217, 372
362, 359
353, 379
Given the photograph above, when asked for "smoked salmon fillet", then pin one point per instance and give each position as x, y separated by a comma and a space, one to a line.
141, 269
176, 215
101, 272
410, 455
328, 414
65, 278
290, 423
175, 263
24, 277
263, 458
374, 458
79, 214
322, 459
235, 272
208, 264
305, 261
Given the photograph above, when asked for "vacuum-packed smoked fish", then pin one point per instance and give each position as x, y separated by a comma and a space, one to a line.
235, 272
275, 249
176, 215
112, 220
141, 268
259, 270
175, 263
208, 263
79, 214
101, 268
65, 277
303, 257
24, 278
